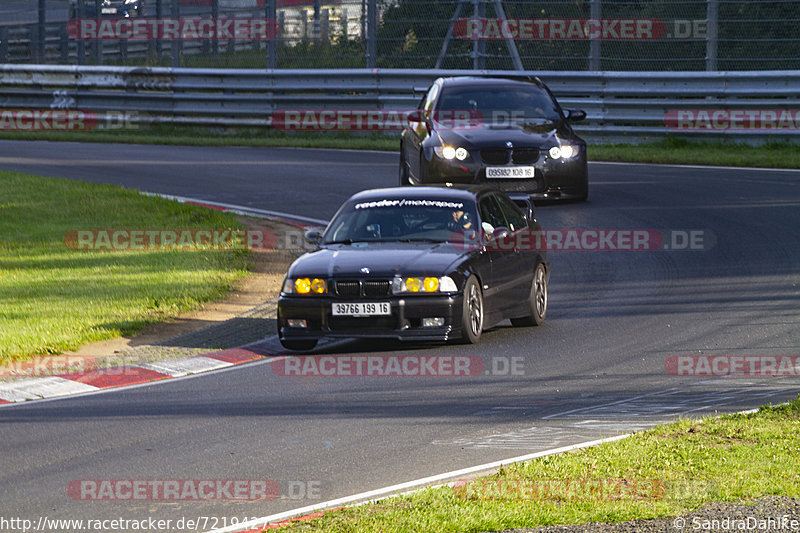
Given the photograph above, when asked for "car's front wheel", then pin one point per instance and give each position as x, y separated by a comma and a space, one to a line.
472, 311
537, 300
403, 170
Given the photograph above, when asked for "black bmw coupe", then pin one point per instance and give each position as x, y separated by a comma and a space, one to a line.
425, 263
509, 133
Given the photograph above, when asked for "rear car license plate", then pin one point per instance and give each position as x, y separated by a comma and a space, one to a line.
361, 309
510, 172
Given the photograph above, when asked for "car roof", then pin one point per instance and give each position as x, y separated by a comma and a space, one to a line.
466, 81
456, 192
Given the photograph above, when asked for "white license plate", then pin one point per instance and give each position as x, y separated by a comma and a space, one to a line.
361, 309
108, 10
510, 172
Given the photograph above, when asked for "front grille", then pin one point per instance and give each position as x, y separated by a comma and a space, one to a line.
370, 288
377, 288
494, 156
348, 288
524, 156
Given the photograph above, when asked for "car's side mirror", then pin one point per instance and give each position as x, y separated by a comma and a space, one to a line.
419, 115
415, 116
313, 237
501, 233
576, 115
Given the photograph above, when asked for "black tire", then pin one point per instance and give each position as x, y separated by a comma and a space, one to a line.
403, 170
299, 345
472, 312
537, 300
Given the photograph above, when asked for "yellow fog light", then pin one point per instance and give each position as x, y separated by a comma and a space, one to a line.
413, 284
318, 286
431, 284
302, 285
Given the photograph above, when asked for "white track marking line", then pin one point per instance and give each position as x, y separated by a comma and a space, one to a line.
387, 492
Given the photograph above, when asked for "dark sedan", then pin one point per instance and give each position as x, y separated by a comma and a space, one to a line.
509, 133
416, 264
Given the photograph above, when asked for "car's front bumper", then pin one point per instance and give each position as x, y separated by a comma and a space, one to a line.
405, 322
553, 178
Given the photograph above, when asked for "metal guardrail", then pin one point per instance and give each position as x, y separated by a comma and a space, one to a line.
627, 105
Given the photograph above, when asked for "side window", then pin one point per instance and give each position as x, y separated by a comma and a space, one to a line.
516, 220
491, 212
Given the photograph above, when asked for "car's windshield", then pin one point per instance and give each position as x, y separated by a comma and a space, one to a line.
500, 103
401, 220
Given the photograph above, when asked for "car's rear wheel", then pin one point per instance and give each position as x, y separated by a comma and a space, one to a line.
537, 300
299, 345
472, 311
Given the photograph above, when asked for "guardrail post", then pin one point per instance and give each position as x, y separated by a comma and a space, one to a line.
80, 51
215, 16
175, 49
712, 33
42, 30
63, 44
595, 13
159, 16
3, 44
33, 32
97, 48
270, 9
372, 33
324, 26
317, 7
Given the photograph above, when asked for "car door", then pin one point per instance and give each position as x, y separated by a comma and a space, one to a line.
524, 257
416, 134
498, 290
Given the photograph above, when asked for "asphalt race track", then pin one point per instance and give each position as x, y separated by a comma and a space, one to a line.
595, 369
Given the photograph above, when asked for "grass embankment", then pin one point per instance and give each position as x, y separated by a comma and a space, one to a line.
660, 472
672, 150
53, 298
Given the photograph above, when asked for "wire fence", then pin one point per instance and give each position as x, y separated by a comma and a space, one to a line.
616, 35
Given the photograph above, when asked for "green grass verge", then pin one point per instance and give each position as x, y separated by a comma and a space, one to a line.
54, 299
665, 471
671, 150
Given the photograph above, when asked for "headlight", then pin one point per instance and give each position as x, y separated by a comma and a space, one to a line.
450, 153
305, 286
426, 284
564, 151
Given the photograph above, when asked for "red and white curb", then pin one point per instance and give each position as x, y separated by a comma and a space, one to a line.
122, 376
112, 377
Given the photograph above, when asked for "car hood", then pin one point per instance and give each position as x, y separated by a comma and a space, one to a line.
493, 135
382, 259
